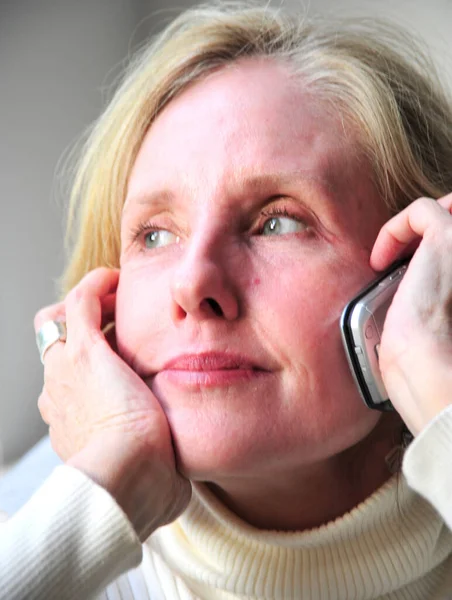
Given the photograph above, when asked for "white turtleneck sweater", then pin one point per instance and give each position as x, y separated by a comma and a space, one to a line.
72, 541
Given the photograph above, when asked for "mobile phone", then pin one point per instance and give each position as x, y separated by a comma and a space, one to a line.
361, 328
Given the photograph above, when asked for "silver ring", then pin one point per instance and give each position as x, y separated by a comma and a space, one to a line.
48, 334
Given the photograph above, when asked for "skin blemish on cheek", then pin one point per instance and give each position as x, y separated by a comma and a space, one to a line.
252, 283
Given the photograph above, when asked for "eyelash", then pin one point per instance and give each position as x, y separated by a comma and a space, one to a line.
147, 226
277, 211
143, 228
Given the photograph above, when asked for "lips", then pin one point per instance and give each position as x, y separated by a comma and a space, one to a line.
209, 370
210, 361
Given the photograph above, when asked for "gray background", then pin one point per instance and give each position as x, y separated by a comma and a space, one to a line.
58, 60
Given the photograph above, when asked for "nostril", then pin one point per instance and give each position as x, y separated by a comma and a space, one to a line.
215, 307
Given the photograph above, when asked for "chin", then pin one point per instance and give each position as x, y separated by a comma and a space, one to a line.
212, 448
205, 451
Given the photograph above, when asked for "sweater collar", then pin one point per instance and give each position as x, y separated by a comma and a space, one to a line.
384, 544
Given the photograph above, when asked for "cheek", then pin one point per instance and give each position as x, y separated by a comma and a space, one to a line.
318, 411
140, 316
304, 305
300, 318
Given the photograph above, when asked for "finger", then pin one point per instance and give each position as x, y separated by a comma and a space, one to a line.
446, 202
53, 312
55, 442
57, 312
44, 406
84, 304
108, 305
50, 355
46, 344
54, 361
110, 336
405, 229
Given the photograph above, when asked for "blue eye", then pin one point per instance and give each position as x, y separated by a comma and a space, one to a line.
282, 226
159, 238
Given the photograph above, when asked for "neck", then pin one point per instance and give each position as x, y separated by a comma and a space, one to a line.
315, 494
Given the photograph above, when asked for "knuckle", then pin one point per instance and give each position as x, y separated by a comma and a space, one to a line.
74, 294
43, 406
86, 284
52, 312
101, 272
446, 202
40, 318
91, 277
426, 201
423, 204
439, 235
79, 352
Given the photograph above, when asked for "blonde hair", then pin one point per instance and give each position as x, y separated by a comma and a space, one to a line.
373, 74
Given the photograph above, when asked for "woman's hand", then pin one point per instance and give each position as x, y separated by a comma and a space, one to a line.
416, 347
103, 418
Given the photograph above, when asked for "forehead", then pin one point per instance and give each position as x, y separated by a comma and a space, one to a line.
242, 121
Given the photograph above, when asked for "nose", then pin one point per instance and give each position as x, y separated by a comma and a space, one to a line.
201, 288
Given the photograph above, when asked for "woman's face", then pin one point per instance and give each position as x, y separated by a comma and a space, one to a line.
248, 225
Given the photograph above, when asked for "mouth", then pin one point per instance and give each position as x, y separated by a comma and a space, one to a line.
210, 369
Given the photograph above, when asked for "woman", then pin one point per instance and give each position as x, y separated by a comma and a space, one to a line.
251, 175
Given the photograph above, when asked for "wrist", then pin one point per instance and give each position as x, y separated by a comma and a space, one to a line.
147, 489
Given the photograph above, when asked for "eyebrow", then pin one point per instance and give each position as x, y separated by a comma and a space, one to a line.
261, 182
156, 198
256, 184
